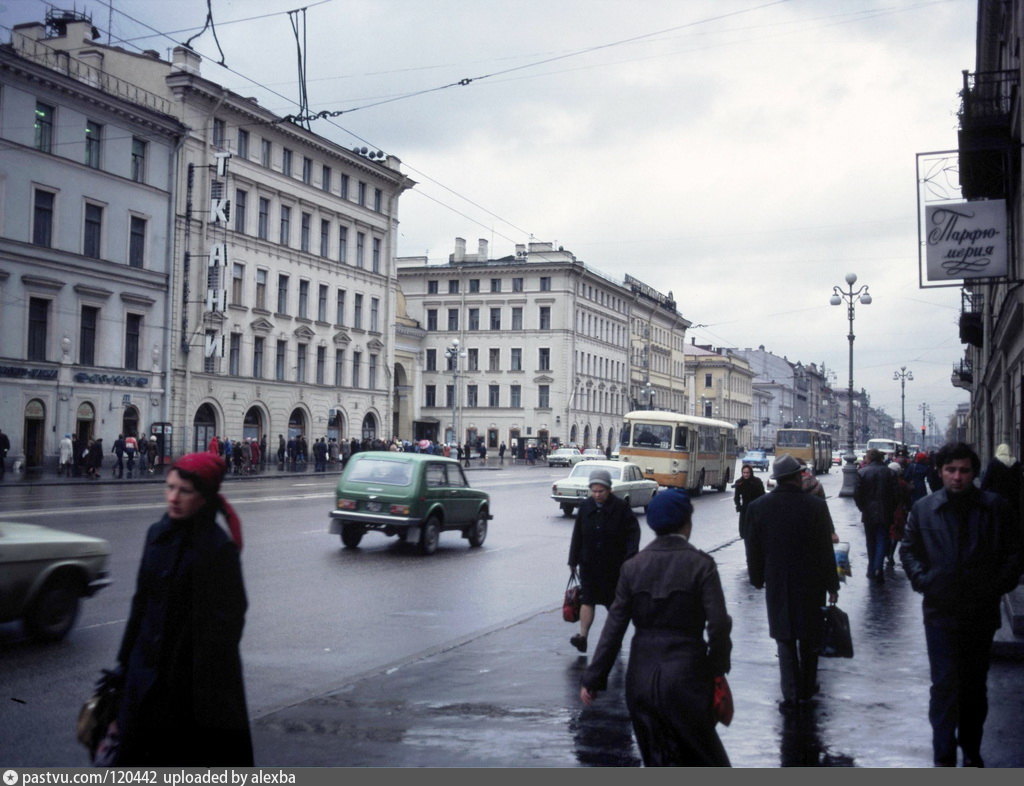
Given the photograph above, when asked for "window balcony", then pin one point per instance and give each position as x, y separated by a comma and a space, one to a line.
963, 375
988, 104
971, 330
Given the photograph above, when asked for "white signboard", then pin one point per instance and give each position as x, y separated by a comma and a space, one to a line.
966, 240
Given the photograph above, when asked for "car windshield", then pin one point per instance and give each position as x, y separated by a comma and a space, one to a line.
755, 454
583, 471
383, 471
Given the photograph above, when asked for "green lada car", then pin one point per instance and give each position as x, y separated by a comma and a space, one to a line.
414, 496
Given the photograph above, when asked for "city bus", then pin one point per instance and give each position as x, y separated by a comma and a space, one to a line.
811, 446
680, 451
889, 447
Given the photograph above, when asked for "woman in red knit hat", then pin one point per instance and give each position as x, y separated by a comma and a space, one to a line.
183, 695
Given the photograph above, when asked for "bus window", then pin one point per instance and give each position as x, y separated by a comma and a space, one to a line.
652, 435
681, 432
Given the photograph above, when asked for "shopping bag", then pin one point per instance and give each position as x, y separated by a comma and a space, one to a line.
843, 569
835, 636
571, 600
723, 701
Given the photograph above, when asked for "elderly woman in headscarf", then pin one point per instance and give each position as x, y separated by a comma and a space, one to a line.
183, 696
672, 594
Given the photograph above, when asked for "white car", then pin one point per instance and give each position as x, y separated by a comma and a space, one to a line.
43, 574
564, 457
594, 454
628, 483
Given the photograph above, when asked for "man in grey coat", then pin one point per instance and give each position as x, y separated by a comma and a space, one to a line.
790, 553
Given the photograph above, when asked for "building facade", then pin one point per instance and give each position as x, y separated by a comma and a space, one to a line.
724, 388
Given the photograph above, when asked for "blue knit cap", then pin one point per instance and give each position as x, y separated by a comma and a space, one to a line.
669, 510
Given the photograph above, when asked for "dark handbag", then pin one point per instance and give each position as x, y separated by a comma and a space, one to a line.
723, 701
95, 719
571, 600
836, 641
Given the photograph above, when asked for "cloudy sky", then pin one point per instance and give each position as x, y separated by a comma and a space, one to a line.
743, 154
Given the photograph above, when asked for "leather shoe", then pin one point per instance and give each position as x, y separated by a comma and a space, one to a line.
973, 760
579, 642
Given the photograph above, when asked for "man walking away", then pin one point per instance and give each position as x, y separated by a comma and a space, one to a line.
876, 494
118, 450
791, 555
962, 552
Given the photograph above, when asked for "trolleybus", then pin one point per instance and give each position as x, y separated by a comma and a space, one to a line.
811, 446
680, 451
888, 447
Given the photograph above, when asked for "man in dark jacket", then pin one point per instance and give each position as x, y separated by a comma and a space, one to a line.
962, 552
791, 554
605, 535
876, 493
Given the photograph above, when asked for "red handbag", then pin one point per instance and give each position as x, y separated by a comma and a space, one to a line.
571, 600
723, 701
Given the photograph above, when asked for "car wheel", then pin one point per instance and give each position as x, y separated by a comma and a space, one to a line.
430, 533
54, 610
699, 488
478, 532
351, 534
567, 509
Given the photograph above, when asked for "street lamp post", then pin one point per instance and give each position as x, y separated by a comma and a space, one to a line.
923, 406
851, 297
453, 353
903, 375
648, 393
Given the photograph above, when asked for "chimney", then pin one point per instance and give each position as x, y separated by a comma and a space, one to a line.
185, 59
482, 252
460, 250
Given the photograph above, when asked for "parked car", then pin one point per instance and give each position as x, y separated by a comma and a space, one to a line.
628, 483
44, 573
564, 457
414, 496
594, 454
757, 459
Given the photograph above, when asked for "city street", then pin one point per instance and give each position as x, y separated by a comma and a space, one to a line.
379, 656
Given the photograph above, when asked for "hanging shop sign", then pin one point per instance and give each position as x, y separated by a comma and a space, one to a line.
966, 240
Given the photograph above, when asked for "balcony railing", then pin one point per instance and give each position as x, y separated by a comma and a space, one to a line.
963, 375
988, 102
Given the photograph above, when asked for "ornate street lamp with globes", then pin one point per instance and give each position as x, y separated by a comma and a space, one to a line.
903, 375
852, 297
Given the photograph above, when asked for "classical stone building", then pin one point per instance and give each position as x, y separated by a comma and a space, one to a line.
723, 388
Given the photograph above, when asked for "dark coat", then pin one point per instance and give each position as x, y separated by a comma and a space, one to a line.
747, 490
601, 541
916, 475
876, 494
184, 696
790, 553
672, 594
962, 576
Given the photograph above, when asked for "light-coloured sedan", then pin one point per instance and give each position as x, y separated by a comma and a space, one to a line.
564, 457
628, 483
43, 574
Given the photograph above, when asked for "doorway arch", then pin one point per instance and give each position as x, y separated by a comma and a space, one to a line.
252, 424
335, 425
586, 436
85, 419
130, 421
297, 423
34, 434
370, 426
204, 428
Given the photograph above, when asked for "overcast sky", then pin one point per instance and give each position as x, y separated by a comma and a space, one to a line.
743, 154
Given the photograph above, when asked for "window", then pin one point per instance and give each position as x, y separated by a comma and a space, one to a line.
93, 230
373, 372
321, 303
430, 399
374, 314
517, 318
361, 199
218, 132
357, 358
375, 255
87, 335
357, 312
321, 362
325, 237
494, 359
545, 283
257, 357
493, 396
132, 340
286, 162
431, 287
279, 360
266, 152
234, 354
307, 170
449, 395
453, 286
471, 396
707, 381
44, 127
93, 138
474, 319
282, 294
378, 200
544, 396
453, 319
263, 228
495, 285
42, 218
261, 289
339, 367
303, 299
515, 396
136, 241
286, 225
517, 285
239, 207
495, 319
344, 186
305, 228
431, 319
343, 245
325, 178
243, 143
300, 362
544, 321
516, 361
339, 316
472, 360
38, 319
431, 360
544, 359
360, 248
139, 159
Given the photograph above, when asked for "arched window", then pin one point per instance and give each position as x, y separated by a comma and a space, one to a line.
369, 426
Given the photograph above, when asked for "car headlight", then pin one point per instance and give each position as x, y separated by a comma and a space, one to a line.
346, 504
